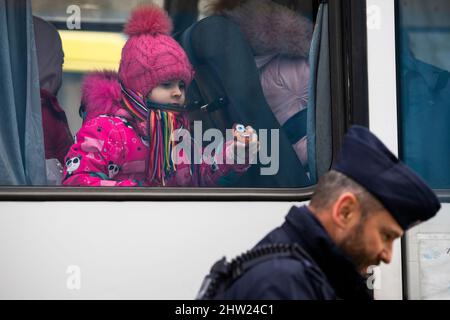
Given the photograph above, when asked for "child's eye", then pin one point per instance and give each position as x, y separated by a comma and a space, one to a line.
166, 84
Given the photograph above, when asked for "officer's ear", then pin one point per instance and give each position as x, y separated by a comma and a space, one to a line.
346, 210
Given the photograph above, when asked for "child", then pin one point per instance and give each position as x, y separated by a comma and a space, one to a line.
130, 118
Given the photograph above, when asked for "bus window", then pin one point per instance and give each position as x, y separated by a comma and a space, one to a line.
263, 103
423, 31
292, 112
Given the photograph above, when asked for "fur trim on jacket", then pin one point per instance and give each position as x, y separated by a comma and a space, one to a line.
272, 28
101, 95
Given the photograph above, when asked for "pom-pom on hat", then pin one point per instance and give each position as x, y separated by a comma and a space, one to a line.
151, 56
366, 160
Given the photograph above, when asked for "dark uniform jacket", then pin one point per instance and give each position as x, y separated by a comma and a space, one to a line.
328, 275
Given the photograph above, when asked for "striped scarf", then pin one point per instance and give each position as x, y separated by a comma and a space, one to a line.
160, 127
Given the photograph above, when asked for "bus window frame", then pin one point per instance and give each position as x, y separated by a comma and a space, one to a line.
349, 105
91, 26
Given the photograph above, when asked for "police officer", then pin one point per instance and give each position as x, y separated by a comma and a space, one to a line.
367, 200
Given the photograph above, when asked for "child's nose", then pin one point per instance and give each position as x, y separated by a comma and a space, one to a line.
176, 91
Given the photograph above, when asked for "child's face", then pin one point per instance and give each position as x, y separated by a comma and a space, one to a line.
169, 92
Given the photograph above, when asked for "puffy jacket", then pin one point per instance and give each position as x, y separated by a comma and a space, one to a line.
284, 82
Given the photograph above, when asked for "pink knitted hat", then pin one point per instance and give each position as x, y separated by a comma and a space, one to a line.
150, 55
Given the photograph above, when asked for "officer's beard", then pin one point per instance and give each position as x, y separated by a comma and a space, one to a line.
354, 247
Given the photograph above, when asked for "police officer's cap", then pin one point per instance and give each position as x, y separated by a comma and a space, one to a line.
366, 160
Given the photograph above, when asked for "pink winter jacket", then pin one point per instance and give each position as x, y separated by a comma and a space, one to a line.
109, 151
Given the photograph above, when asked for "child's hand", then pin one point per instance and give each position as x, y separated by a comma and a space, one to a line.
246, 145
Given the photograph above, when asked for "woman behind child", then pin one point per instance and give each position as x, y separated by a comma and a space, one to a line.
131, 117
279, 33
